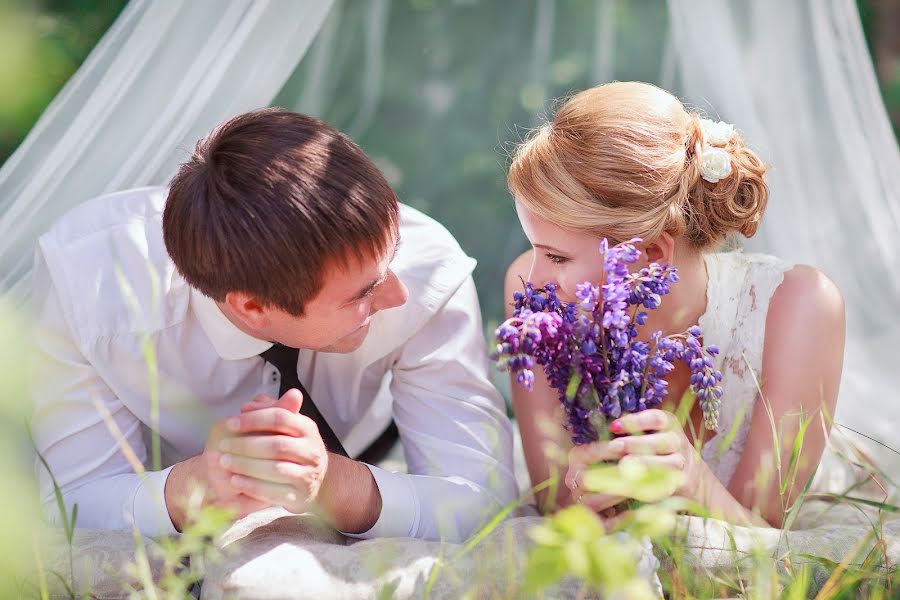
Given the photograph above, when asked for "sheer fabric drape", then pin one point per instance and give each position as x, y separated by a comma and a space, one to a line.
162, 76
797, 79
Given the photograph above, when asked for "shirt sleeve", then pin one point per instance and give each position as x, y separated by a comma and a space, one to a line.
74, 438
455, 432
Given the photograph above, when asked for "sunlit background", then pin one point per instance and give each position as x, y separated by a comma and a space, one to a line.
435, 91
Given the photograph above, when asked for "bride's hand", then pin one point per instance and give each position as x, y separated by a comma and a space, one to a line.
655, 438
581, 458
652, 437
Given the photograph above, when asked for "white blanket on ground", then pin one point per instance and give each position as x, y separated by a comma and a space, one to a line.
284, 556
273, 554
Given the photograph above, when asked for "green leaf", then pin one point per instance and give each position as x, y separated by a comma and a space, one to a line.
577, 558
647, 483
638, 589
572, 388
829, 564
650, 520
579, 522
545, 535
545, 566
614, 561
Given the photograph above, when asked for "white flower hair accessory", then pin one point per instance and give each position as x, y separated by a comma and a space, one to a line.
716, 133
715, 164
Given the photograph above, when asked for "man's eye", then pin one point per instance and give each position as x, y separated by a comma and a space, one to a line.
555, 259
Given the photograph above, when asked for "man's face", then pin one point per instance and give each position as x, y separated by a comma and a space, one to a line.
337, 318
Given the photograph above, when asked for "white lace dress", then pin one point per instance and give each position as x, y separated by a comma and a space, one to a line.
737, 302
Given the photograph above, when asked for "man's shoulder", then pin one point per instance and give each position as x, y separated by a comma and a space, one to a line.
433, 267
103, 215
425, 232
109, 266
430, 261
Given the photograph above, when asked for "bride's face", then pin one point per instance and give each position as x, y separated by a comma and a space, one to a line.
561, 256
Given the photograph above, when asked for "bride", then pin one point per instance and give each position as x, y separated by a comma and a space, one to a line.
626, 160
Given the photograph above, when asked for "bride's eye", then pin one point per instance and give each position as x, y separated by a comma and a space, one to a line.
555, 258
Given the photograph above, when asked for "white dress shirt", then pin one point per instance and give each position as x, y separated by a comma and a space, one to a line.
117, 325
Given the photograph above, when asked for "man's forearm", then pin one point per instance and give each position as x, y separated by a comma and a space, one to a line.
349, 498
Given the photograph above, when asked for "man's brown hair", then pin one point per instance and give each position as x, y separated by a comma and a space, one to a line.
270, 199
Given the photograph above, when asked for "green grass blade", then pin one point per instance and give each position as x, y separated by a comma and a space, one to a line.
57, 492
729, 438
794, 461
71, 533
435, 571
41, 575
69, 591
500, 517
841, 498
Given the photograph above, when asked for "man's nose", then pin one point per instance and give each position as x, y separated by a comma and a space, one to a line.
391, 293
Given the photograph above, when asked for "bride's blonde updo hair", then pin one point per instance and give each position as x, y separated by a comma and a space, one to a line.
622, 160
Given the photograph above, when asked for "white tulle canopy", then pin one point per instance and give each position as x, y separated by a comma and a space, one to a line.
795, 77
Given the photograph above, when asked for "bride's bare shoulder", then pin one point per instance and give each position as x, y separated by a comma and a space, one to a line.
804, 345
807, 293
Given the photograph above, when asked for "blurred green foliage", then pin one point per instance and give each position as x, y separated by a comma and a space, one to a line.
437, 106
42, 43
19, 505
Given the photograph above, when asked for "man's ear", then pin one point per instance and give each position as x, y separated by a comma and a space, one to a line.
661, 250
248, 309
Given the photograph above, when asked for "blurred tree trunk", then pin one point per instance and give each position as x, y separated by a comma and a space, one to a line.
886, 37
885, 46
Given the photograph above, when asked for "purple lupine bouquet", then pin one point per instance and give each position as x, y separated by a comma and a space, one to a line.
590, 351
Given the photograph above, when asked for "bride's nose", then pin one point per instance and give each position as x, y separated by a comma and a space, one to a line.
539, 275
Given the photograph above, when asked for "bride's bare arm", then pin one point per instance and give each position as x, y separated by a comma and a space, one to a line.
801, 370
538, 414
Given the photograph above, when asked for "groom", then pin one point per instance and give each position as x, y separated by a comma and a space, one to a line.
272, 315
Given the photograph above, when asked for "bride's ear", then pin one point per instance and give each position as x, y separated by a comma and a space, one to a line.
661, 250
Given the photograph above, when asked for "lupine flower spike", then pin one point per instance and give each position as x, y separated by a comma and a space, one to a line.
590, 349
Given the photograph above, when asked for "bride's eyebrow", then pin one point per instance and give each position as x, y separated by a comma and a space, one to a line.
549, 248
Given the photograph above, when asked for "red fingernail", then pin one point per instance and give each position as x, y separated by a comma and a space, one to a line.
616, 427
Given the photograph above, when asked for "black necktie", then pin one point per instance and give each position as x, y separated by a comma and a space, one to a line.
285, 360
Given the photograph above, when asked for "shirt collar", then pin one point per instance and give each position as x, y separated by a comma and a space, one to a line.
230, 342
